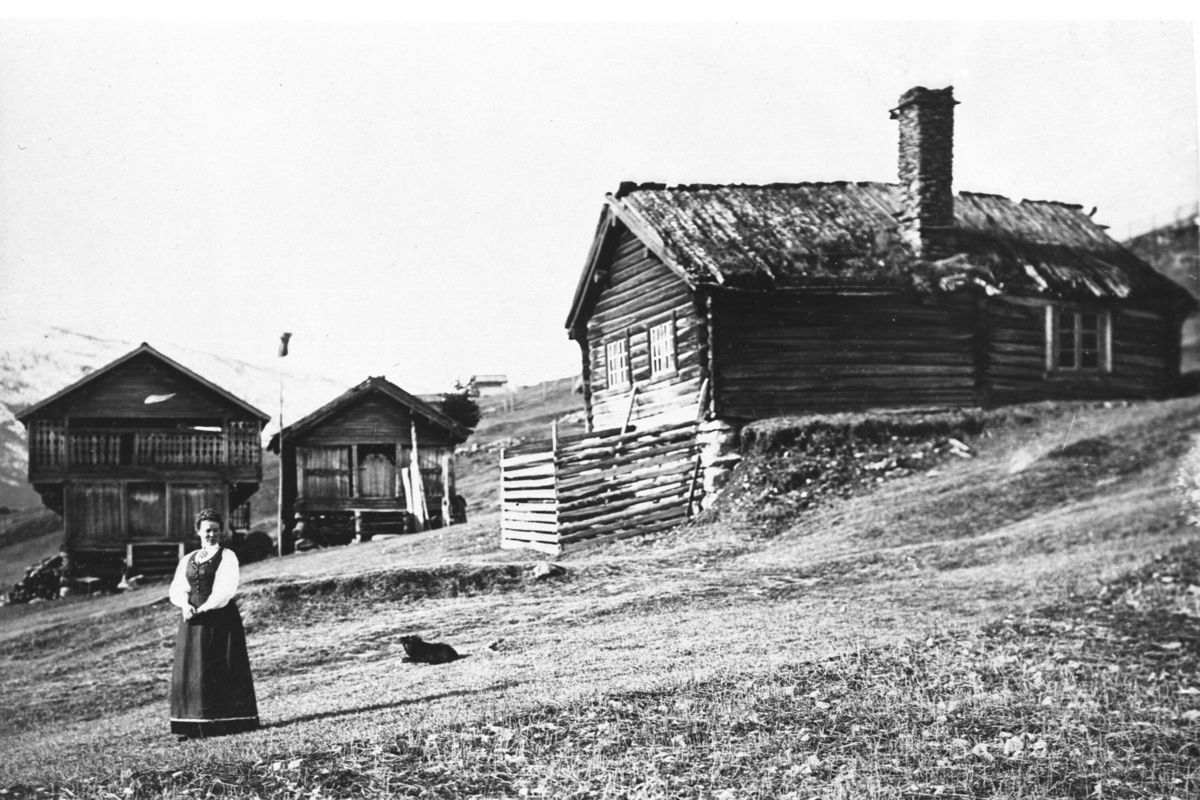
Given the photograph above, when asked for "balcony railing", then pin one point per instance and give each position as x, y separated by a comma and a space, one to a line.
50, 446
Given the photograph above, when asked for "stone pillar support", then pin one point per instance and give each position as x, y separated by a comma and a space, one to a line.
718, 443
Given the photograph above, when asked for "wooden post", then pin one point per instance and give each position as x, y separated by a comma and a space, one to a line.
168, 507
703, 404
554, 436
301, 465
123, 506
447, 489
629, 412
279, 510
692, 486
419, 507
406, 479
453, 490
399, 487
1050, 336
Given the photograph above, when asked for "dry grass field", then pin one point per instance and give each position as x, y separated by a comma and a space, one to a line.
1023, 622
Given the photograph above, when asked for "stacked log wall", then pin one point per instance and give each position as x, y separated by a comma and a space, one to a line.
1144, 356
639, 293
528, 503
330, 500
596, 487
788, 353
617, 485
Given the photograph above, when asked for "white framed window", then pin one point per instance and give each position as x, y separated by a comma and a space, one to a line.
1078, 340
662, 348
616, 361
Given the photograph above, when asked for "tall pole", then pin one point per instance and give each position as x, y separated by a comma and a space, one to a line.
279, 504
283, 351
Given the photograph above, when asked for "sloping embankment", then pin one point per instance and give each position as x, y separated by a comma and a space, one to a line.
793, 464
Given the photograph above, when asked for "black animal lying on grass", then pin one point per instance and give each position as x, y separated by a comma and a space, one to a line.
422, 652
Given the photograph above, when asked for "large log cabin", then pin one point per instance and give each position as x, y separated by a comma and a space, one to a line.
737, 302
128, 455
349, 469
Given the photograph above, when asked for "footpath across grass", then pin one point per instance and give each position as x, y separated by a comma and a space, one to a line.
1097, 696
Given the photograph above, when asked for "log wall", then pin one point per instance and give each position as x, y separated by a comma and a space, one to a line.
110, 514
325, 478
639, 293
528, 503
777, 354
1145, 356
598, 487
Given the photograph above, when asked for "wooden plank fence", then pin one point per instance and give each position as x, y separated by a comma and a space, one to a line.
588, 488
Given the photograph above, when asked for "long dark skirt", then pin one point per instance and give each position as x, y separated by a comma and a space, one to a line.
212, 691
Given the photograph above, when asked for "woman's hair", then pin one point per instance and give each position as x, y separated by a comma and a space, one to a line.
210, 514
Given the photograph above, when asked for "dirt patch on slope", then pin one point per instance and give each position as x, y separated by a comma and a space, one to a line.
317, 598
793, 465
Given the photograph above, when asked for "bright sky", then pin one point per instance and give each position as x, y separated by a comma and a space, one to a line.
416, 199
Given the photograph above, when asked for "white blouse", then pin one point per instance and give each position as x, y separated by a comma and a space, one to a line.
225, 582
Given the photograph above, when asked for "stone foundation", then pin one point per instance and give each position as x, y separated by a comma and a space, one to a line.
718, 441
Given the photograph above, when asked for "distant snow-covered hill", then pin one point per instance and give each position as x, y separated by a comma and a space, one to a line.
36, 363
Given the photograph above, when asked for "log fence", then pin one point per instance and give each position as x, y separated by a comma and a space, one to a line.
577, 490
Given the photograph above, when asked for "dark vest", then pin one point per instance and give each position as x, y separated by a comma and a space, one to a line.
200, 578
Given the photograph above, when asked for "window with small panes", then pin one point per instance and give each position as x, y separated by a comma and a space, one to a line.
1078, 340
616, 355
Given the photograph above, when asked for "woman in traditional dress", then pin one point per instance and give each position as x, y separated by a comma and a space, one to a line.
212, 691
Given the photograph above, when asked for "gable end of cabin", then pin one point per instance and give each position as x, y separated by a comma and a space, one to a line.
643, 339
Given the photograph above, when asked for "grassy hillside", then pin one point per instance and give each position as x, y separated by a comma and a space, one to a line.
26, 537
526, 415
1174, 250
1016, 621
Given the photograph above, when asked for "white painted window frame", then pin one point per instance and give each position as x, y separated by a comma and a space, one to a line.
1053, 315
662, 348
616, 362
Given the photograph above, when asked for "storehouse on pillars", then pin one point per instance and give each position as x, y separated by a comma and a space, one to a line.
376, 459
734, 302
131, 452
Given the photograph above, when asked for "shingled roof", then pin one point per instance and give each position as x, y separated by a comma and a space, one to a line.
383, 386
811, 234
917, 234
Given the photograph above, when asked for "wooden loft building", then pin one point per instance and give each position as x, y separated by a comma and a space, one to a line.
488, 385
131, 452
736, 302
376, 459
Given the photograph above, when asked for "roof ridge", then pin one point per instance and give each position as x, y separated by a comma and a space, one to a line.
372, 383
628, 187
1075, 206
966, 193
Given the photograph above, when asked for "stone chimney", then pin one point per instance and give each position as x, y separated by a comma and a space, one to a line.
926, 169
